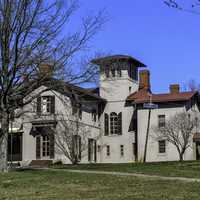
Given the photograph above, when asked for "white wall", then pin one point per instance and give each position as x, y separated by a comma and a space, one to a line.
115, 90
152, 148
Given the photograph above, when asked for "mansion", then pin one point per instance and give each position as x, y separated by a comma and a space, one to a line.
110, 121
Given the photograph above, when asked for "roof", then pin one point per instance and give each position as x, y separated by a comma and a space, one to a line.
68, 88
114, 58
196, 137
144, 96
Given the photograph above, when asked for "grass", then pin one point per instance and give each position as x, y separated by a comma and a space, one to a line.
189, 169
61, 184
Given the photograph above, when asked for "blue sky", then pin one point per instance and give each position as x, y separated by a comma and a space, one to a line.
166, 40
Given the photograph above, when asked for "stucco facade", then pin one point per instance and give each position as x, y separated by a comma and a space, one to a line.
112, 115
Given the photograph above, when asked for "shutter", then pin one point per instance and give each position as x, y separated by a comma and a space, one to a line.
95, 150
79, 145
39, 106
52, 144
89, 150
53, 105
106, 124
38, 147
73, 146
120, 123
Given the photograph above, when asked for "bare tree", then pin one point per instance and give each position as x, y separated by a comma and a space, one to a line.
191, 85
33, 33
71, 138
190, 7
178, 130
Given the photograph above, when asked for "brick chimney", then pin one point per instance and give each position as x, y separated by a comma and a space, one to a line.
144, 80
45, 70
174, 88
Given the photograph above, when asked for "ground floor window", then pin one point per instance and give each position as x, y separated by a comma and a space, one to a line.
122, 150
162, 146
108, 150
92, 150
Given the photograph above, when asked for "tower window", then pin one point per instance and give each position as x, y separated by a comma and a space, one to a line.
113, 123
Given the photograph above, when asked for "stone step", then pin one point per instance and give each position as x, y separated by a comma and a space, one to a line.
41, 163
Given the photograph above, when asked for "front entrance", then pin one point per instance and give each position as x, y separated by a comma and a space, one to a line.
92, 152
197, 150
45, 147
15, 147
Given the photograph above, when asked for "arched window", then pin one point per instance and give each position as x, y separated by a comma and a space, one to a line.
113, 123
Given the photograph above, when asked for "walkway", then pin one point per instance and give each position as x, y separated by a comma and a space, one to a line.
136, 175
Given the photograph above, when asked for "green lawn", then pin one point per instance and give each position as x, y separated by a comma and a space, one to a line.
184, 169
64, 185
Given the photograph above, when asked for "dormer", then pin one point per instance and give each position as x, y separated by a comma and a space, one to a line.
118, 66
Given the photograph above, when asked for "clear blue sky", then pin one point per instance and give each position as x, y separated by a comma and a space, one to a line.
166, 40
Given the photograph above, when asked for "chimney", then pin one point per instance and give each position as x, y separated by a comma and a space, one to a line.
144, 80
45, 70
174, 88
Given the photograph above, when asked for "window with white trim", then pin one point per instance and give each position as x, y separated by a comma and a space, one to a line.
162, 146
113, 123
161, 121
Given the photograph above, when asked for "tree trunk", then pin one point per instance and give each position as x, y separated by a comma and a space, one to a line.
4, 143
181, 156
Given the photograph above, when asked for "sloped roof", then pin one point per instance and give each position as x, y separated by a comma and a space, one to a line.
68, 88
114, 58
143, 96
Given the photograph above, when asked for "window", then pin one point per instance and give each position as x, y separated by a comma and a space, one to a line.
94, 115
113, 72
77, 109
99, 148
162, 146
108, 150
119, 72
129, 89
122, 150
80, 111
45, 146
113, 123
106, 124
46, 105
77, 146
107, 72
161, 121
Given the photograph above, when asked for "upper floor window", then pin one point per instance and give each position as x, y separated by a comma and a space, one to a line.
113, 123
94, 115
77, 110
114, 126
161, 121
46, 105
